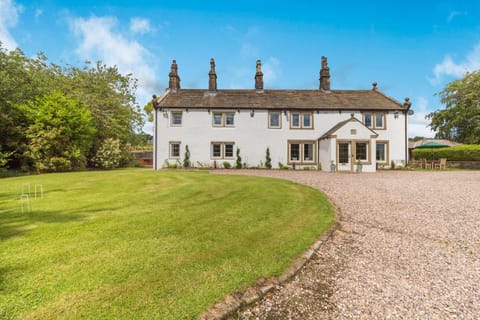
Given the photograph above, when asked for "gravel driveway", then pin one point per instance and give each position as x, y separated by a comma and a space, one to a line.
408, 248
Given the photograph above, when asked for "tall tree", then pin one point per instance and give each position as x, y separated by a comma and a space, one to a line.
460, 120
60, 132
108, 95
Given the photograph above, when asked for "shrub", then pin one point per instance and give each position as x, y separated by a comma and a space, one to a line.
467, 152
186, 159
282, 166
227, 165
319, 166
109, 154
268, 160
238, 164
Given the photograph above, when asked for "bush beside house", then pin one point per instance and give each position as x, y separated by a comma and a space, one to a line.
467, 152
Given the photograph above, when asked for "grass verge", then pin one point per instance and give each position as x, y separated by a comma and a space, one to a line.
138, 244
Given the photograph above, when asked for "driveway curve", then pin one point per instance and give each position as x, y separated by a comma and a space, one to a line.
408, 247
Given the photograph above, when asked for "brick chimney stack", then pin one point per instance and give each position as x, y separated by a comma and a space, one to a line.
174, 82
325, 75
212, 77
259, 77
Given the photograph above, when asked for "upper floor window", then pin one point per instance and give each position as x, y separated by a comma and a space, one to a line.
176, 118
374, 120
274, 120
301, 120
223, 119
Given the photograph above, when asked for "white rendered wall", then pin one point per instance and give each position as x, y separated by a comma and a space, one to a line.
252, 135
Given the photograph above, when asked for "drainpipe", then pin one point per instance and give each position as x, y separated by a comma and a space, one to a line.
155, 132
407, 104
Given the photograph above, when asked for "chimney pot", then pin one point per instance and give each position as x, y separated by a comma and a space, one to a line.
212, 77
374, 86
324, 75
259, 77
174, 81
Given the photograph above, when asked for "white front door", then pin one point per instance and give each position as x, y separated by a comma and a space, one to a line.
344, 156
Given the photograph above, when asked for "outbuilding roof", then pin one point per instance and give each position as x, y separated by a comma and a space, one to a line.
278, 99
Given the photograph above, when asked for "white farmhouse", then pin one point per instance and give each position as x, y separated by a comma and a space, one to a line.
337, 129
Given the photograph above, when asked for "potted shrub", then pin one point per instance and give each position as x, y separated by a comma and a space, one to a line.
333, 167
359, 166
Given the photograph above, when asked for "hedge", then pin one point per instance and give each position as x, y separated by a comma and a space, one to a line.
467, 152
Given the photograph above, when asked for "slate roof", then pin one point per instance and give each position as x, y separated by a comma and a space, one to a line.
279, 99
336, 127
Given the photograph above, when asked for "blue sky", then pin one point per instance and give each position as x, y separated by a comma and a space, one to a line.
411, 48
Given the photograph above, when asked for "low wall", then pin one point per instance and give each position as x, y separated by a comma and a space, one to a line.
453, 164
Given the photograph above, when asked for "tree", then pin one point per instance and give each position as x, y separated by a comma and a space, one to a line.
60, 133
238, 163
186, 159
268, 160
460, 120
108, 95
148, 108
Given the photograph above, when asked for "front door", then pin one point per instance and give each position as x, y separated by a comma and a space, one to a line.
344, 156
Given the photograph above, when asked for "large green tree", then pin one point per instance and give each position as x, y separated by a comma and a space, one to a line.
108, 96
460, 120
60, 132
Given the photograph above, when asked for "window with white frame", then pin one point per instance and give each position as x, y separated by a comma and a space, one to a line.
301, 120
361, 151
374, 120
223, 119
301, 152
382, 152
176, 118
174, 149
274, 120
222, 150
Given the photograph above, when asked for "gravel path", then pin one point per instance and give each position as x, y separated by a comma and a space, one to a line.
408, 248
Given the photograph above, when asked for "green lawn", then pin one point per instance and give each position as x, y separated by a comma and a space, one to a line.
139, 244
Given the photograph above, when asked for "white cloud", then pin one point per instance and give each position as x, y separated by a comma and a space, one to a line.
454, 14
448, 67
99, 39
140, 25
8, 19
417, 124
271, 70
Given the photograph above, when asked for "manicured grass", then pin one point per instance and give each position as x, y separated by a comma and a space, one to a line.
138, 244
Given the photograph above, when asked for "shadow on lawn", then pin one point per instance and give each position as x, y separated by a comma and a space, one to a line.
15, 224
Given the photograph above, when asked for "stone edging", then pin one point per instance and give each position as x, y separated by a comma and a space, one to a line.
233, 302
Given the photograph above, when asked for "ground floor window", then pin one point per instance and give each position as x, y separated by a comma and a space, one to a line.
382, 151
301, 151
361, 152
343, 153
222, 150
174, 149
